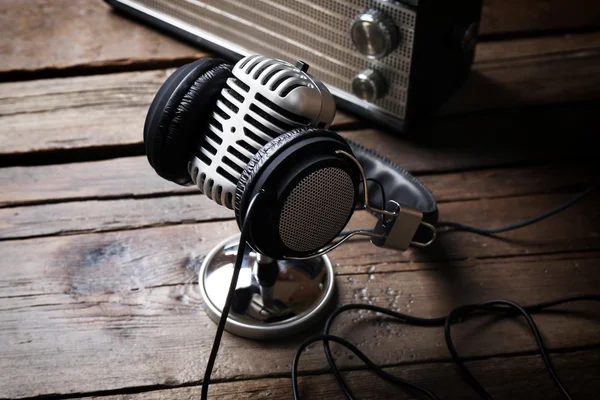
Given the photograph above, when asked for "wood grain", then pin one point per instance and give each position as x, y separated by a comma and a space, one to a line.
519, 377
512, 16
76, 216
160, 250
109, 110
133, 176
126, 334
109, 303
119, 177
61, 34
531, 80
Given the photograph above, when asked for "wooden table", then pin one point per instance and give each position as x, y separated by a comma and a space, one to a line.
98, 256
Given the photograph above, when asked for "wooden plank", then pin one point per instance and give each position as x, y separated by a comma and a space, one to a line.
159, 251
136, 336
60, 34
109, 110
534, 47
545, 75
108, 215
504, 378
80, 112
513, 16
119, 177
87, 35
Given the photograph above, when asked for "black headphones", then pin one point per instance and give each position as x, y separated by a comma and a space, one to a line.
312, 179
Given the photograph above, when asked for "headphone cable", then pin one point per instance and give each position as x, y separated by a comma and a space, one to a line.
230, 294
457, 315
456, 226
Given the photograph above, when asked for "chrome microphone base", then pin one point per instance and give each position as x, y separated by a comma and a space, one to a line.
274, 298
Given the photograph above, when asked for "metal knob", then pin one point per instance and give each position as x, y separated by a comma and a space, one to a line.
369, 85
374, 34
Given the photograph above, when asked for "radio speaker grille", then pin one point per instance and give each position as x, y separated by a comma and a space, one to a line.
315, 31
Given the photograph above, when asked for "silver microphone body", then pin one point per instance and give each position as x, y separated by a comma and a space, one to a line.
265, 98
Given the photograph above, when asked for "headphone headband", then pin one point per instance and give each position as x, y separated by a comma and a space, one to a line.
401, 187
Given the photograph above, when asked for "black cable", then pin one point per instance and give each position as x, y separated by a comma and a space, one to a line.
490, 231
227, 306
385, 375
459, 314
409, 319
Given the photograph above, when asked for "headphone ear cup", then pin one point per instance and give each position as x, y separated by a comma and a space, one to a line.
253, 168
179, 112
310, 192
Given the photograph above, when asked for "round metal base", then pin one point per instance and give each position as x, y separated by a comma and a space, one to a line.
300, 296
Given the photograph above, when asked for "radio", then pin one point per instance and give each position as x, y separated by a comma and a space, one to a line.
392, 62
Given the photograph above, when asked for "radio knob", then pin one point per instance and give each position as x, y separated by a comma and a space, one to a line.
369, 85
374, 34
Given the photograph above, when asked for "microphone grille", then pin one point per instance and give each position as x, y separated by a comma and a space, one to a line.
317, 209
264, 99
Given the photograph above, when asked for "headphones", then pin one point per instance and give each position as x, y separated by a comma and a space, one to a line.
311, 179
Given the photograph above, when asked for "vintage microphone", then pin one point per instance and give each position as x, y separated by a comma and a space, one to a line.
204, 127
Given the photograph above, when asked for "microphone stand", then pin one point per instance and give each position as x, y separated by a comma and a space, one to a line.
266, 271
273, 298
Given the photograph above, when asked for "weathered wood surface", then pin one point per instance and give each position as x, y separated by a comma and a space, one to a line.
159, 334
107, 299
109, 110
75, 215
553, 69
533, 16
504, 378
58, 34
174, 247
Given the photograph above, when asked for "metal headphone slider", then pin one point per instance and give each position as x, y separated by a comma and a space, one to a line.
397, 232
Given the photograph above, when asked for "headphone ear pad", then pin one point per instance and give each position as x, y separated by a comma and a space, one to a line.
179, 113
308, 187
254, 166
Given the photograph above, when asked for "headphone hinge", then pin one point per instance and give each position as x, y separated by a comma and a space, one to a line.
397, 232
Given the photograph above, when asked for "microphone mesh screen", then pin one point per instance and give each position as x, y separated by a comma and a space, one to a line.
316, 209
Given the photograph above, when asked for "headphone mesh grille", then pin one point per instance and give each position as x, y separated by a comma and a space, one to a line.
316, 209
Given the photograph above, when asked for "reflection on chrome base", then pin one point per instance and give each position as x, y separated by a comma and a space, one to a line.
273, 299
